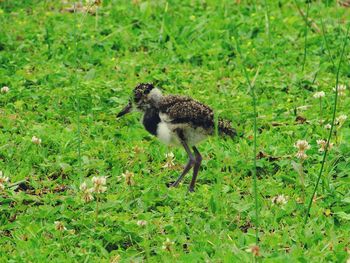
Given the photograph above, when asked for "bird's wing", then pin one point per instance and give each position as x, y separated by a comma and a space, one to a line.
179, 109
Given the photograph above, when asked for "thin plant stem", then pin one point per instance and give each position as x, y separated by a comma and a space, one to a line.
332, 125
252, 92
267, 22
163, 23
254, 5
76, 91
96, 19
309, 22
48, 41
132, 193
315, 76
326, 43
302, 180
305, 34
62, 242
321, 111
76, 84
96, 211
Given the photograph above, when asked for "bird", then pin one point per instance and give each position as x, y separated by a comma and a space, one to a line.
178, 121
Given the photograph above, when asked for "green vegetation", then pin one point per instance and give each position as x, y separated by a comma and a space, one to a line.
68, 74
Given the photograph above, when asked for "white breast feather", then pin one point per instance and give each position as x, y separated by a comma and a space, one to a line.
164, 117
164, 133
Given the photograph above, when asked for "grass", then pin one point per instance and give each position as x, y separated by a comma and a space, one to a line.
332, 124
70, 73
251, 85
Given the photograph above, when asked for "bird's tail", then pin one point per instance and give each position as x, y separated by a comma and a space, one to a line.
225, 128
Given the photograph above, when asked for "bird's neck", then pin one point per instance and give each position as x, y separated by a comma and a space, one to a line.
155, 96
150, 120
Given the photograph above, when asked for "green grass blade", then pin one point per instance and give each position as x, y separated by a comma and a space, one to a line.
76, 93
306, 20
332, 125
267, 22
326, 42
305, 34
252, 93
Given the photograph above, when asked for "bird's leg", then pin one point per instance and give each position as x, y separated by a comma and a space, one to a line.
197, 164
189, 165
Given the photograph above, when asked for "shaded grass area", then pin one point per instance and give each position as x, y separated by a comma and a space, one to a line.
186, 48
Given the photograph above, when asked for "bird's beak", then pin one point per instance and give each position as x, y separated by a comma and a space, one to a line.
126, 110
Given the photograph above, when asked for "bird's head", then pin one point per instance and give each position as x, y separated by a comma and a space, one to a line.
144, 96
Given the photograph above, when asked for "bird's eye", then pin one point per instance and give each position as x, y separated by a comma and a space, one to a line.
137, 97
147, 91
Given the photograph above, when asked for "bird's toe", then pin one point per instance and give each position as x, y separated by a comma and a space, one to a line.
171, 184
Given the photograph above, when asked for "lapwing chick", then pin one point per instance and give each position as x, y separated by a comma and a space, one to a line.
176, 120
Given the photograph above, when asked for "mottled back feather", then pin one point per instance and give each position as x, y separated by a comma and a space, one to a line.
225, 128
180, 109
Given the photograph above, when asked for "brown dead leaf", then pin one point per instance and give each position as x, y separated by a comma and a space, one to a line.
344, 3
79, 8
300, 120
262, 155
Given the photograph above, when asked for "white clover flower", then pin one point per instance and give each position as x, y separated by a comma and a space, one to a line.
301, 155
169, 160
169, 155
167, 245
83, 187
87, 195
3, 179
129, 178
99, 183
323, 144
141, 223
36, 140
59, 226
302, 146
341, 119
341, 90
5, 89
279, 200
319, 95
328, 126
87, 192
99, 180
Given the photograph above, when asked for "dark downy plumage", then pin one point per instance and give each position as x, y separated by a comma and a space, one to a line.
187, 110
177, 119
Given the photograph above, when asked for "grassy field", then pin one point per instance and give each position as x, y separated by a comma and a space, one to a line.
68, 75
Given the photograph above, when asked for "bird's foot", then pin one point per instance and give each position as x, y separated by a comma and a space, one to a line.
191, 189
171, 184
